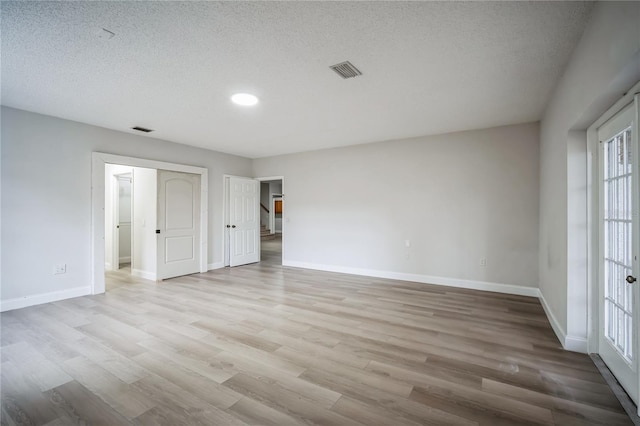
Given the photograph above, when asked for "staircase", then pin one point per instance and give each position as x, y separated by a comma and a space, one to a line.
265, 234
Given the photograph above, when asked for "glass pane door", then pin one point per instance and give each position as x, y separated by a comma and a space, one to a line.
618, 221
618, 215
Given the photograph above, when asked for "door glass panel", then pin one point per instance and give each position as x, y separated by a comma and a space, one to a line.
618, 210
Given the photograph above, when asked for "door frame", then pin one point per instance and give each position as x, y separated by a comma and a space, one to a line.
98, 162
593, 221
225, 213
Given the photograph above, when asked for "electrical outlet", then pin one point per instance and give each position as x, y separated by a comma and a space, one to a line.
483, 262
60, 268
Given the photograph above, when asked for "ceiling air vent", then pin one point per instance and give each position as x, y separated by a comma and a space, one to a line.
142, 129
346, 70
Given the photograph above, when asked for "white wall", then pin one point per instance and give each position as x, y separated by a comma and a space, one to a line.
605, 63
145, 212
46, 199
458, 198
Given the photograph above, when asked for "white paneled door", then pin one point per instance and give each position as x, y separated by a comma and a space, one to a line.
178, 224
244, 221
618, 236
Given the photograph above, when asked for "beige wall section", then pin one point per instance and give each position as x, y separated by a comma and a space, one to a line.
457, 198
46, 196
605, 63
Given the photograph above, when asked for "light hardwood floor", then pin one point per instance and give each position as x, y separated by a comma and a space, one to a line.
263, 344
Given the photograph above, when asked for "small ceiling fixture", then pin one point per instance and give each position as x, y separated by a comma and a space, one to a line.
142, 129
244, 99
346, 69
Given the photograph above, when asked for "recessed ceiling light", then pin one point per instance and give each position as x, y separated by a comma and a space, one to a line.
244, 99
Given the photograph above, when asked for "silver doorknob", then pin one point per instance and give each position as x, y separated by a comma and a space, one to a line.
631, 279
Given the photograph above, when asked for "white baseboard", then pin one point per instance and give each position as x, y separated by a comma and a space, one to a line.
126, 259
143, 274
107, 266
576, 344
426, 279
557, 328
38, 299
215, 265
570, 343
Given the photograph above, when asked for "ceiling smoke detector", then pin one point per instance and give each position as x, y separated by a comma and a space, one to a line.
142, 129
346, 70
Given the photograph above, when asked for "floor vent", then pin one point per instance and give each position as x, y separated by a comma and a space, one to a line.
346, 70
142, 129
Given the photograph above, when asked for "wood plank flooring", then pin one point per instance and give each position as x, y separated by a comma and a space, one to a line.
267, 345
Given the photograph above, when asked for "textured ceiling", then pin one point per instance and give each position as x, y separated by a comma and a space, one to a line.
428, 67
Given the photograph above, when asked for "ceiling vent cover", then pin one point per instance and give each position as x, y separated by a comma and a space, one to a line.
142, 129
346, 70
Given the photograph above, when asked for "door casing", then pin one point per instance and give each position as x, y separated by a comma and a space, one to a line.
225, 217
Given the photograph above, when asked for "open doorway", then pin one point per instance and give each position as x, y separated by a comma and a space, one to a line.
130, 221
271, 219
122, 221
170, 194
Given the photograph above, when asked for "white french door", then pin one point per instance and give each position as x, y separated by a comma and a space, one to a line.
178, 224
243, 221
619, 245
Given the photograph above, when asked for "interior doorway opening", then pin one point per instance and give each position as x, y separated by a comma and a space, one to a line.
195, 178
130, 221
272, 219
123, 217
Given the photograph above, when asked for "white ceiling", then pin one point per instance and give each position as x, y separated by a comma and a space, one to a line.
428, 67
